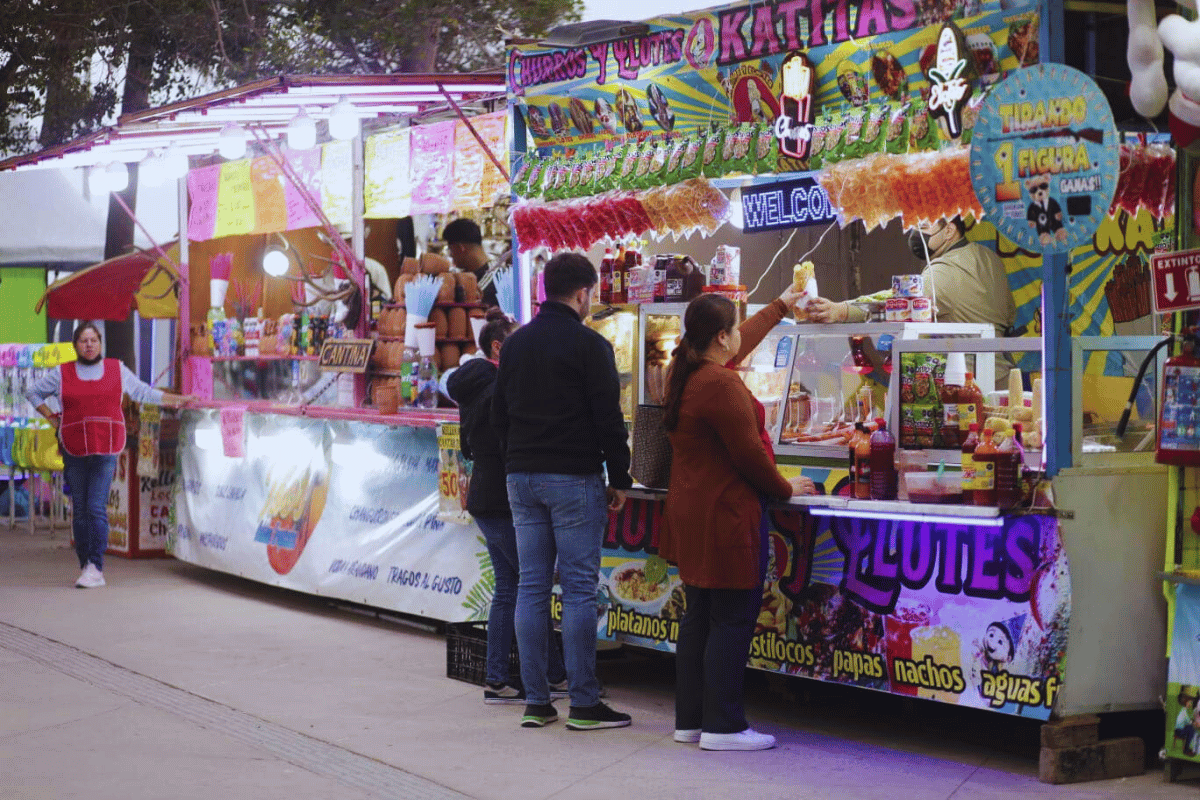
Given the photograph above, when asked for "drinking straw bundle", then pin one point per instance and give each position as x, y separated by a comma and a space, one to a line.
506, 293
420, 295
245, 303
220, 265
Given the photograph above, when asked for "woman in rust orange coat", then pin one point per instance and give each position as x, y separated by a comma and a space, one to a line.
714, 525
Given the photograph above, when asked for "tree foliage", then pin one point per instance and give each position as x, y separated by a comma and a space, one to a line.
67, 66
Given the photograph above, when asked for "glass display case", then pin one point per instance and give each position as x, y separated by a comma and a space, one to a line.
928, 418
289, 381
662, 324
619, 325
1104, 369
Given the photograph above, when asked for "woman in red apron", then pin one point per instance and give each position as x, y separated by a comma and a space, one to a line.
91, 433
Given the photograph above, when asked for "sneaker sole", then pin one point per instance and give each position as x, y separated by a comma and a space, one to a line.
504, 701
686, 737
537, 722
735, 746
591, 725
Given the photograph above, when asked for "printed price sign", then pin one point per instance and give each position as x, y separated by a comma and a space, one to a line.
149, 427
233, 434
1045, 158
454, 475
1176, 281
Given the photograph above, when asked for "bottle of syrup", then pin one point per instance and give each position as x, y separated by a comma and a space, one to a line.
969, 476
884, 479
985, 470
620, 280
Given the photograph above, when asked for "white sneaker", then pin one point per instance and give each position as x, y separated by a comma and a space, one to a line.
687, 736
90, 578
748, 739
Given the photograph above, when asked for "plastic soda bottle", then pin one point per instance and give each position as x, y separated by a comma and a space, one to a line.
884, 480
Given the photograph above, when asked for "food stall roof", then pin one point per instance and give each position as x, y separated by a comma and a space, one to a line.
194, 125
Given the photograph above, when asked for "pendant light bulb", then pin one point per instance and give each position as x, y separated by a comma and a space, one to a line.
343, 120
302, 132
232, 142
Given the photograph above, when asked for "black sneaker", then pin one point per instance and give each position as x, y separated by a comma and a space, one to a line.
596, 717
539, 716
502, 694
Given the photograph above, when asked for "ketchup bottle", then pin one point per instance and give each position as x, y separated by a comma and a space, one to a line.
985, 470
884, 480
620, 281
969, 476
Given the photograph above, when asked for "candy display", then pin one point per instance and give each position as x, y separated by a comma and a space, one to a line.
1128, 291
681, 209
1147, 180
917, 187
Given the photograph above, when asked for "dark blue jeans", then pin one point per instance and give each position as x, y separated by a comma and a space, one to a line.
501, 539
558, 517
89, 478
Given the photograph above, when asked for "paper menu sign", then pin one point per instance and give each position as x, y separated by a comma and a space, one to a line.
203, 185
432, 162
307, 166
337, 181
270, 204
235, 200
387, 189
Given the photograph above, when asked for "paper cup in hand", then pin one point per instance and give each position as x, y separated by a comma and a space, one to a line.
216, 292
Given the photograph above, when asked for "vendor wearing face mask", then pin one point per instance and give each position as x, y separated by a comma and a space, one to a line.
967, 281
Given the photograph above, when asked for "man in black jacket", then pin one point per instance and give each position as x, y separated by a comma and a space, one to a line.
557, 409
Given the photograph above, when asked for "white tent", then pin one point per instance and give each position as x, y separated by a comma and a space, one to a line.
46, 219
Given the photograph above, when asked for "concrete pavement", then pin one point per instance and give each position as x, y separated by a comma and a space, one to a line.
176, 682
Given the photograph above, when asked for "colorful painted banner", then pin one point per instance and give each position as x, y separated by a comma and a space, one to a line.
1183, 678
971, 614
724, 65
387, 187
1045, 158
342, 509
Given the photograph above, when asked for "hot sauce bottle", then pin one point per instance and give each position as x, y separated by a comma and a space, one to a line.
985, 470
884, 480
952, 434
1010, 462
606, 276
620, 280
970, 405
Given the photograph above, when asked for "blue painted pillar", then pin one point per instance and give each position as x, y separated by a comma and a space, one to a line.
1056, 361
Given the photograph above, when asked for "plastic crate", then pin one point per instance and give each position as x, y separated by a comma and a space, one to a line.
466, 654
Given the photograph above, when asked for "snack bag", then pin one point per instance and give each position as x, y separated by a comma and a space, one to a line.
873, 134
627, 165
766, 152
712, 159
520, 181
672, 171
816, 145
854, 121
645, 156
740, 145
690, 165
660, 154
922, 131
895, 140
804, 278
833, 139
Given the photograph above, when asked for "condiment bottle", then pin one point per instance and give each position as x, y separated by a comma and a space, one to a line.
852, 464
884, 480
1010, 462
952, 434
606, 276
985, 470
969, 476
620, 279
970, 405
862, 464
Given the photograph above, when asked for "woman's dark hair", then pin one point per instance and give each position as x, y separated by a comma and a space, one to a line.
706, 317
566, 274
83, 327
497, 329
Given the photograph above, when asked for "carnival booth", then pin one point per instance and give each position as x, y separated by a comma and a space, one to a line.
307, 463
737, 149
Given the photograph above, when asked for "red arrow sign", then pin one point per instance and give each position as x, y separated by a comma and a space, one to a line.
1176, 280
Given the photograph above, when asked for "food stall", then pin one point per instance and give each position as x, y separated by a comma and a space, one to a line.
687, 146
307, 205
